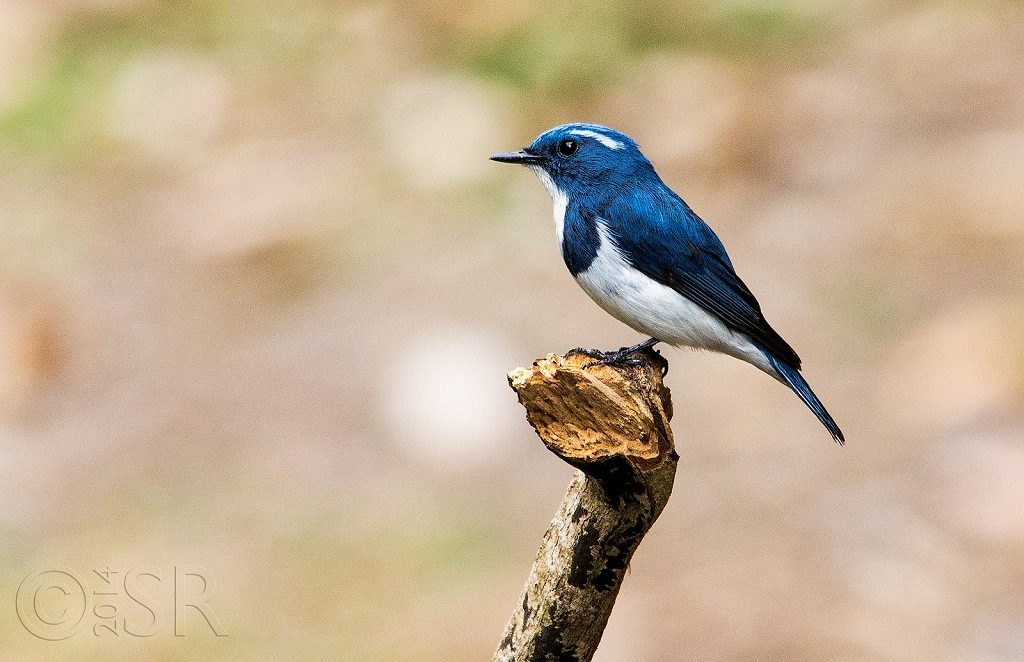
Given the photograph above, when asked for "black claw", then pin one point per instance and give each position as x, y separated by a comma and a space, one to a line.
615, 359
624, 356
592, 353
660, 360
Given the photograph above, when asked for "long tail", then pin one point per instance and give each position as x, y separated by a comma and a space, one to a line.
792, 378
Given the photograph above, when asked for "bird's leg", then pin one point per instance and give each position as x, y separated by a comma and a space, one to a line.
622, 356
626, 352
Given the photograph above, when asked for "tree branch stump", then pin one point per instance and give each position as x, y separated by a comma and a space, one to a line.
612, 424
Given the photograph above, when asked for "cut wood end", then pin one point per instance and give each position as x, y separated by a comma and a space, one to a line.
603, 411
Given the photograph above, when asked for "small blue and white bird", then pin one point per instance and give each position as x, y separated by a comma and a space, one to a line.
644, 256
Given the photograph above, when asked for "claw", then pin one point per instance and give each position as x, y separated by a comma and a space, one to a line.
661, 361
592, 353
615, 358
623, 356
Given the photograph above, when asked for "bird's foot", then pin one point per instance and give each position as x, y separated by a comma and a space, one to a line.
592, 353
618, 358
624, 356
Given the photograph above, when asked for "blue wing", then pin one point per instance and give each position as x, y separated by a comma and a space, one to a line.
665, 240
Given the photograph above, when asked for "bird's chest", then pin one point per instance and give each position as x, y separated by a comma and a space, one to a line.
646, 305
618, 288
578, 238
596, 265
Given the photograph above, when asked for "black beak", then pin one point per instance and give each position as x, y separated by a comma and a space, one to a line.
522, 157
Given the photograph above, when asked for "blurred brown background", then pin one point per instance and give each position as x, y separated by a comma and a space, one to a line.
260, 287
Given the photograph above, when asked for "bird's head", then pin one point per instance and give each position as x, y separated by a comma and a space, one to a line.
571, 157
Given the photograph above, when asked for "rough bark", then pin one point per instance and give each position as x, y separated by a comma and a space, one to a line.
612, 424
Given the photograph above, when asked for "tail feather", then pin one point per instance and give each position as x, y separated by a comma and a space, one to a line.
792, 378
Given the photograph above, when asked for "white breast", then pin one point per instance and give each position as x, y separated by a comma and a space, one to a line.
558, 197
657, 310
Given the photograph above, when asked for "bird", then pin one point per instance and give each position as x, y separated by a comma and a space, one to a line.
643, 255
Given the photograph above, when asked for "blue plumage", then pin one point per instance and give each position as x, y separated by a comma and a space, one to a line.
645, 257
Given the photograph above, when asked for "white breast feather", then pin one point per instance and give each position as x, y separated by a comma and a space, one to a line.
558, 197
657, 310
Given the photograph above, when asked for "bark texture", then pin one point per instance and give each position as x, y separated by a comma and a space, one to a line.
612, 424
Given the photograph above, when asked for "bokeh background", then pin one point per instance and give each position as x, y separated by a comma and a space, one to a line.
260, 287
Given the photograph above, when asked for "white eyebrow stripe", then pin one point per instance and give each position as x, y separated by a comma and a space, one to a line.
600, 137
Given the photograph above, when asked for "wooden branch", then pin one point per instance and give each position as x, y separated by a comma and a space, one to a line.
613, 425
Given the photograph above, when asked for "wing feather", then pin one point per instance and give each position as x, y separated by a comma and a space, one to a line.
676, 248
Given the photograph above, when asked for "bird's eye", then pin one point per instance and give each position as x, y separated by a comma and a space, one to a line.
568, 147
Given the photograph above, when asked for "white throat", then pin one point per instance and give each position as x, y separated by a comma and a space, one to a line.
558, 197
